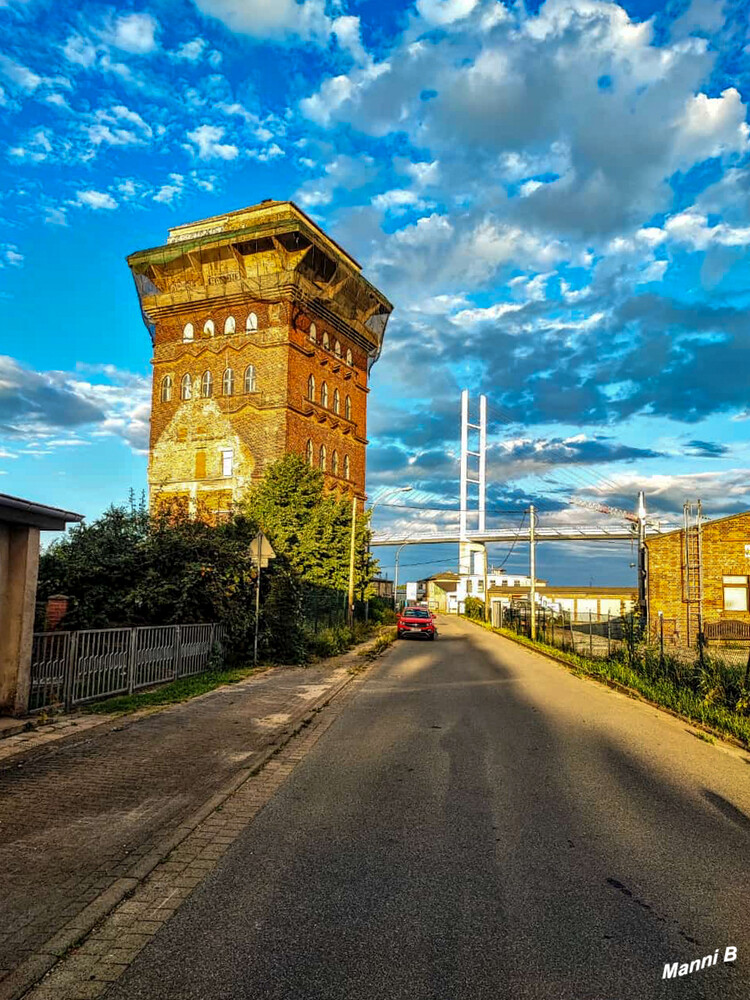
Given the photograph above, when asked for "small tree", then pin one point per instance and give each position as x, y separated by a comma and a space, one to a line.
474, 608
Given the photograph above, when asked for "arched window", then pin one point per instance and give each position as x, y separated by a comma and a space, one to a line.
309, 452
326, 341
313, 333
250, 378
349, 355
166, 389
251, 323
324, 395
208, 328
347, 469
348, 407
337, 347
207, 385
311, 388
335, 463
188, 333
227, 382
336, 401
322, 455
186, 387
229, 326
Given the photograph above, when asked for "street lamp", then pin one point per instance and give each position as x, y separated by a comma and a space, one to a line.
386, 493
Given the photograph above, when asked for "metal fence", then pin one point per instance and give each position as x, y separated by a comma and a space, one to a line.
587, 633
72, 668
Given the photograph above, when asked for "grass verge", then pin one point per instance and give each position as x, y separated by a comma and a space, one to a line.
659, 691
174, 692
385, 638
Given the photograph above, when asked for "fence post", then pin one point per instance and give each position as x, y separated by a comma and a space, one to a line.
177, 651
609, 635
132, 657
701, 657
213, 640
553, 629
71, 665
661, 640
591, 635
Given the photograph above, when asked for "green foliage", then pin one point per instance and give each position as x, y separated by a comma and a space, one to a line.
474, 608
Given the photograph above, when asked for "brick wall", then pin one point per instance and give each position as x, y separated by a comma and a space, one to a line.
723, 554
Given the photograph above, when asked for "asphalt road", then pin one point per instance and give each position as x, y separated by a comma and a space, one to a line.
478, 823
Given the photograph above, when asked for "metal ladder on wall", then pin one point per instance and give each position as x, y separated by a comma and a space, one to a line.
692, 570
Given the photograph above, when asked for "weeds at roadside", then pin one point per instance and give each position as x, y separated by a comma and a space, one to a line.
706, 737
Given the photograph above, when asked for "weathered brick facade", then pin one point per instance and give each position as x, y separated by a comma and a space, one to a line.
725, 553
264, 331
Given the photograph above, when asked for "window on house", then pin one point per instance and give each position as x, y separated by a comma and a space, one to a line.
229, 326
311, 388
207, 385
326, 341
480, 586
469, 586
188, 333
200, 465
186, 387
227, 462
208, 328
346, 467
735, 593
337, 347
309, 452
336, 401
322, 457
335, 463
348, 408
313, 333
324, 395
349, 355
166, 389
250, 378
227, 382
251, 323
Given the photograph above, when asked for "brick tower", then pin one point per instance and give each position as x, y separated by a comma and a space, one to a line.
264, 332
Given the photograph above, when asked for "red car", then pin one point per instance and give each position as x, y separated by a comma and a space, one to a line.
416, 621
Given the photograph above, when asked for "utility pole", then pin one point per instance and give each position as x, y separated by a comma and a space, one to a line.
352, 552
642, 563
395, 577
532, 571
486, 592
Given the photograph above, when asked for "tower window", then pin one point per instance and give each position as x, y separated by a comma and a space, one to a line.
347, 467
200, 465
337, 347
348, 408
227, 462
326, 341
324, 395
335, 463
309, 452
227, 382
208, 328
311, 388
313, 335
349, 355
322, 455
166, 389
250, 378
251, 323
207, 385
188, 333
336, 401
186, 387
229, 326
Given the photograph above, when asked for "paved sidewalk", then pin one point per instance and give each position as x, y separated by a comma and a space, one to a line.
81, 816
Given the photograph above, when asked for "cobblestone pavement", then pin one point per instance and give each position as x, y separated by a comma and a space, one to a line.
80, 815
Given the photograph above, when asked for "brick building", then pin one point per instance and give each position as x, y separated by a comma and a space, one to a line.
719, 556
264, 332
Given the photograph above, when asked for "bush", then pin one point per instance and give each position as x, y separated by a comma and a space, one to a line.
474, 608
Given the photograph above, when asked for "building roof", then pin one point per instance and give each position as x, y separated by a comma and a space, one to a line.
550, 591
15, 510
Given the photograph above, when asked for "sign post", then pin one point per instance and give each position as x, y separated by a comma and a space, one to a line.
261, 553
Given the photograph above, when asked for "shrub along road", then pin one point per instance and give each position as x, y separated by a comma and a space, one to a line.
477, 823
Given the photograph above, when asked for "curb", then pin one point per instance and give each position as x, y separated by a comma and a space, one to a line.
621, 689
28, 974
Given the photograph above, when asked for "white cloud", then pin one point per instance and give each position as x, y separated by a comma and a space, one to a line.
96, 200
37, 148
135, 33
9, 255
207, 142
191, 51
168, 193
691, 227
19, 75
80, 51
118, 126
279, 20
398, 201
445, 11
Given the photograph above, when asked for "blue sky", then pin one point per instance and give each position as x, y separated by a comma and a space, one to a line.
556, 198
